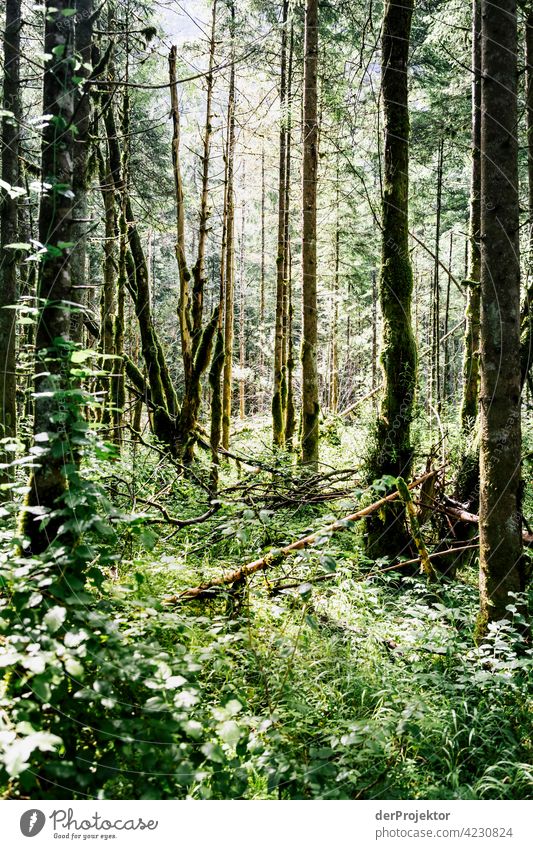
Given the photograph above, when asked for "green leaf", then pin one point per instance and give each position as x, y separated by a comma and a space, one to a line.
230, 732
55, 618
305, 590
328, 563
81, 356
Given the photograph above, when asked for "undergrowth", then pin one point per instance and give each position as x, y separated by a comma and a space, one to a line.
328, 677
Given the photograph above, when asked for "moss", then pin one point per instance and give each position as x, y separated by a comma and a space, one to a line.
310, 436
277, 420
215, 376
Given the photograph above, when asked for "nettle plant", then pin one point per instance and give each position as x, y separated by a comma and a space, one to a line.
91, 704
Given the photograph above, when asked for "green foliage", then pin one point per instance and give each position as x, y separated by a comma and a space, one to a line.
362, 684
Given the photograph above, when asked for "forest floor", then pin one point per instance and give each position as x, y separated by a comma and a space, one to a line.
329, 675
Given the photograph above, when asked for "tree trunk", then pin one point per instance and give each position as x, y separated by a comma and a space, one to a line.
242, 315
500, 450
278, 407
446, 371
108, 302
392, 453
290, 426
526, 318
310, 406
261, 393
435, 340
83, 111
334, 365
9, 224
195, 343
54, 411
469, 406
230, 253
217, 364
288, 342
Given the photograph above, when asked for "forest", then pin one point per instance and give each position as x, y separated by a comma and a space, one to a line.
266, 503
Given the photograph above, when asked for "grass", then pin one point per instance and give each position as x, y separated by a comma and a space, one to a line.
355, 687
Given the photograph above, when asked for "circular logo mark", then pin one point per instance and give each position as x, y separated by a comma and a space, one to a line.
32, 822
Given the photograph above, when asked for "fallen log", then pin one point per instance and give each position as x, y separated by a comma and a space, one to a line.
277, 555
456, 511
278, 588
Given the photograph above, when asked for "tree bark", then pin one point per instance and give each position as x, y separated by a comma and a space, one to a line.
261, 393
54, 411
526, 318
392, 452
83, 23
288, 341
230, 253
278, 407
242, 313
217, 364
469, 406
9, 224
310, 405
435, 303
500, 451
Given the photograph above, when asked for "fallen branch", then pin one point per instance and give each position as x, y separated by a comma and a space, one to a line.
416, 561
456, 511
277, 555
173, 520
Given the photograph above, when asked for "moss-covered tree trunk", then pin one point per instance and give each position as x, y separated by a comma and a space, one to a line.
526, 318
9, 224
310, 406
53, 405
108, 300
392, 452
217, 364
500, 522
83, 23
469, 405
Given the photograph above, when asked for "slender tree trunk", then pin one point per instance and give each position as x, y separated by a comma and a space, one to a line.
9, 224
435, 341
261, 393
118, 382
184, 307
310, 406
374, 331
334, 373
469, 405
500, 521
217, 364
290, 426
447, 378
83, 23
392, 452
278, 411
242, 315
161, 395
230, 254
196, 340
288, 342
108, 303
526, 318
53, 414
